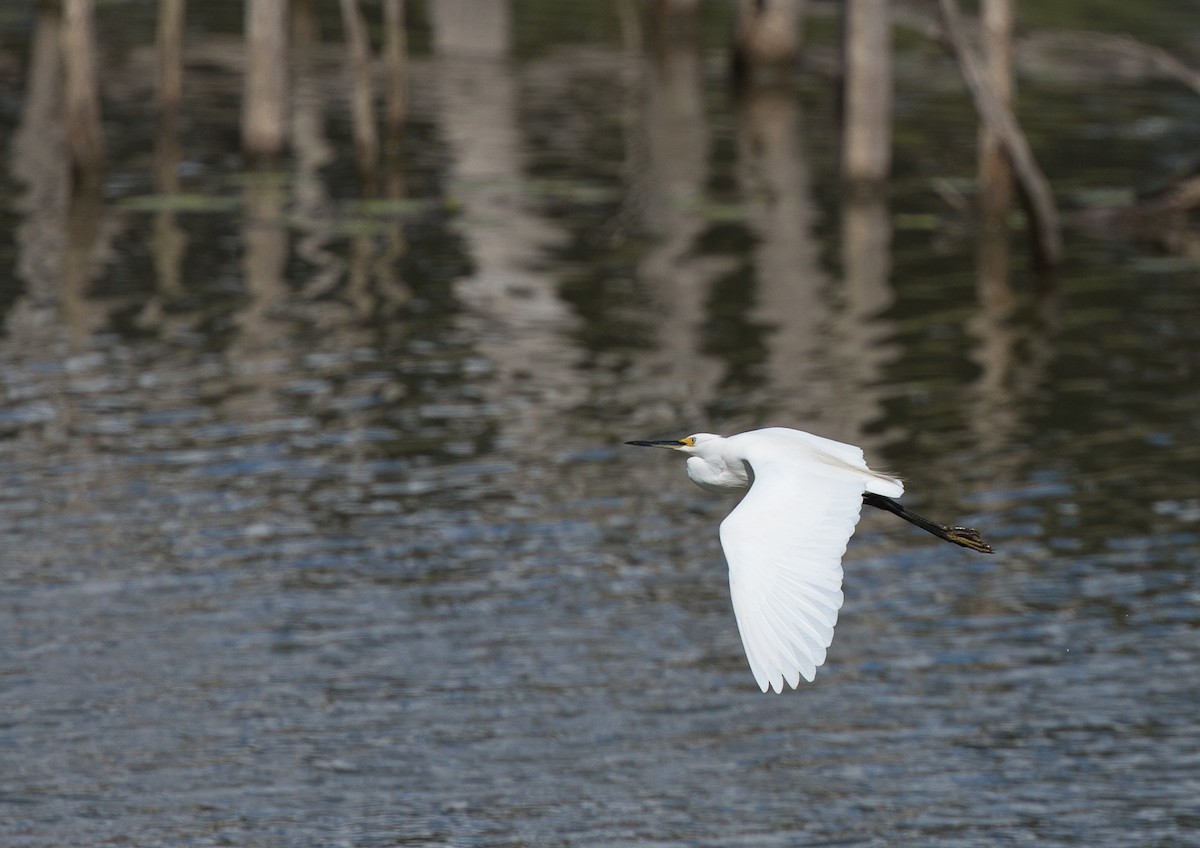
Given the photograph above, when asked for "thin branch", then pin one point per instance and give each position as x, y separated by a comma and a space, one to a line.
1159, 60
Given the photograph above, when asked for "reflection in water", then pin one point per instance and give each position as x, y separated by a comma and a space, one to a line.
791, 287
169, 241
317, 533
669, 186
862, 330
511, 311
38, 154
311, 203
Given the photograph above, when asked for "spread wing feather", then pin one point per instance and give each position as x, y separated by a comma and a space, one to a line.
784, 544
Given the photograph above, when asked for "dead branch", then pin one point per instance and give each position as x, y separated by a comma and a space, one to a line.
1154, 60
1044, 217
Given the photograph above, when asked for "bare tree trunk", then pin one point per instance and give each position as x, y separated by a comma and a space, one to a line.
170, 55
767, 38
867, 146
169, 240
366, 139
85, 136
264, 98
995, 173
395, 57
1045, 224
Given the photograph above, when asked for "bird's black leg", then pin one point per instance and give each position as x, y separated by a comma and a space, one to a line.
965, 536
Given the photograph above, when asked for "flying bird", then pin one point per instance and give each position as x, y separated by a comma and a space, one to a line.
784, 541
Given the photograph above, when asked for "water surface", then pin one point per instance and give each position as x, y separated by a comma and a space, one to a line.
319, 529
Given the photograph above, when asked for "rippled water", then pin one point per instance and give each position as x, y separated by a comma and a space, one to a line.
318, 529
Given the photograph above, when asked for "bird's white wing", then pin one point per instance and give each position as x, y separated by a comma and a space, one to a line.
784, 544
834, 453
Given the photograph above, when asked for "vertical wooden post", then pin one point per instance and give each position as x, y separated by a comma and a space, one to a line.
395, 53
366, 141
265, 93
867, 140
85, 136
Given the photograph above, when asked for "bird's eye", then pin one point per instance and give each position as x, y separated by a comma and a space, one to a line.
690, 441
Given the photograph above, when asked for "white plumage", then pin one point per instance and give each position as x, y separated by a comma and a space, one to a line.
784, 542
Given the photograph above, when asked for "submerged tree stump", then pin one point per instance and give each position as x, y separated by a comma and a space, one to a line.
867, 52
995, 174
264, 99
767, 38
395, 55
362, 96
85, 136
169, 54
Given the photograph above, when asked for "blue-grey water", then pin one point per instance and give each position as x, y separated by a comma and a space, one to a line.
317, 525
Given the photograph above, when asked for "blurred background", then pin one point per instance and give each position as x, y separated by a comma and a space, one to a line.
323, 325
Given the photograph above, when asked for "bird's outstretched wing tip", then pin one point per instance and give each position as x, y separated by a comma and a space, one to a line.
791, 677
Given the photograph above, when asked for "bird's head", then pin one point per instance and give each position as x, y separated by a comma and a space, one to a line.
693, 444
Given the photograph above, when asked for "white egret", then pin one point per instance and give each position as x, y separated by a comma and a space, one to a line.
784, 541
